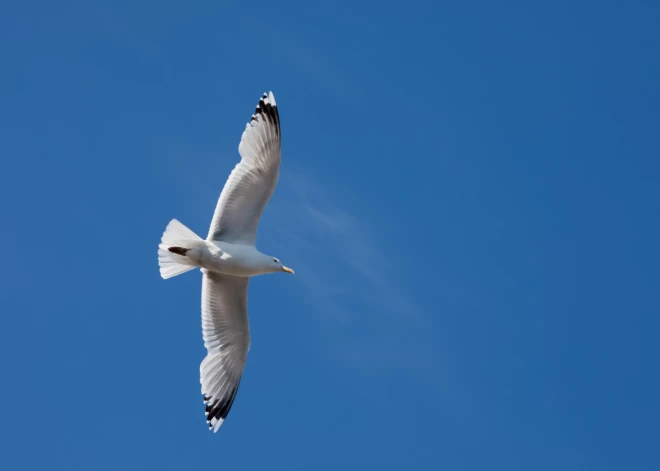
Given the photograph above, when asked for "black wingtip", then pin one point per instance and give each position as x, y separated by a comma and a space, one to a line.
267, 108
218, 409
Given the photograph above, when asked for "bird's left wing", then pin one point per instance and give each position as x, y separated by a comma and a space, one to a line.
253, 180
226, 334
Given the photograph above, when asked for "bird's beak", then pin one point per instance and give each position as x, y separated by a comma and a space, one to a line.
288, 270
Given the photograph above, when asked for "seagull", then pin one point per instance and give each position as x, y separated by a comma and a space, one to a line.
228, 258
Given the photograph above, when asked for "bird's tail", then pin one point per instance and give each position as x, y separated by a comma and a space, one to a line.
176, 241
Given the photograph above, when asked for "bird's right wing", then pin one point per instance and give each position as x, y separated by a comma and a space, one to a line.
253, 180
226, 334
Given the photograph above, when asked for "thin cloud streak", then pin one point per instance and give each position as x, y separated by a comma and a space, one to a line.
348, 277
370, 323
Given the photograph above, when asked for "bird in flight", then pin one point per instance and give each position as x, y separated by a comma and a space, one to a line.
228, 257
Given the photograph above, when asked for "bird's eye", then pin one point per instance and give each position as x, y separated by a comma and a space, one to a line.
276, 260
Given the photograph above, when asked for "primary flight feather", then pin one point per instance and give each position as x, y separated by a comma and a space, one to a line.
229, 257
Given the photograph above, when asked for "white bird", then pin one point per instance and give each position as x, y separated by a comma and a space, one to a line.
228, 258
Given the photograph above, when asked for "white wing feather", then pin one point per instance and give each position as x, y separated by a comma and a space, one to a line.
226, 334
253, 180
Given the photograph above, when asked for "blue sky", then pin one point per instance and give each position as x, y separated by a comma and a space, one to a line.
469, 197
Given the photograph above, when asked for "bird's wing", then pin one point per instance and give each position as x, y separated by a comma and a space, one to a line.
226, 334
253, 180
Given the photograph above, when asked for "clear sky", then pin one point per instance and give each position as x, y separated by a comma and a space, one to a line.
469, 196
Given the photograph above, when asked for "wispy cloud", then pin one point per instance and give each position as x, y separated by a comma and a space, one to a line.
348, 275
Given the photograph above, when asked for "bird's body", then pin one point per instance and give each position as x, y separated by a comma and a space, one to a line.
228, 258
225, 257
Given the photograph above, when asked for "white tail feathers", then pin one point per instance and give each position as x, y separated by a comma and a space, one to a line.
175, 235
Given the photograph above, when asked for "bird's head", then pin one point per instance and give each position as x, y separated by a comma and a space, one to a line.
277, 266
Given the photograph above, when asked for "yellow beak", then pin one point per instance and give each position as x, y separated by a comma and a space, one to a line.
288, 270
